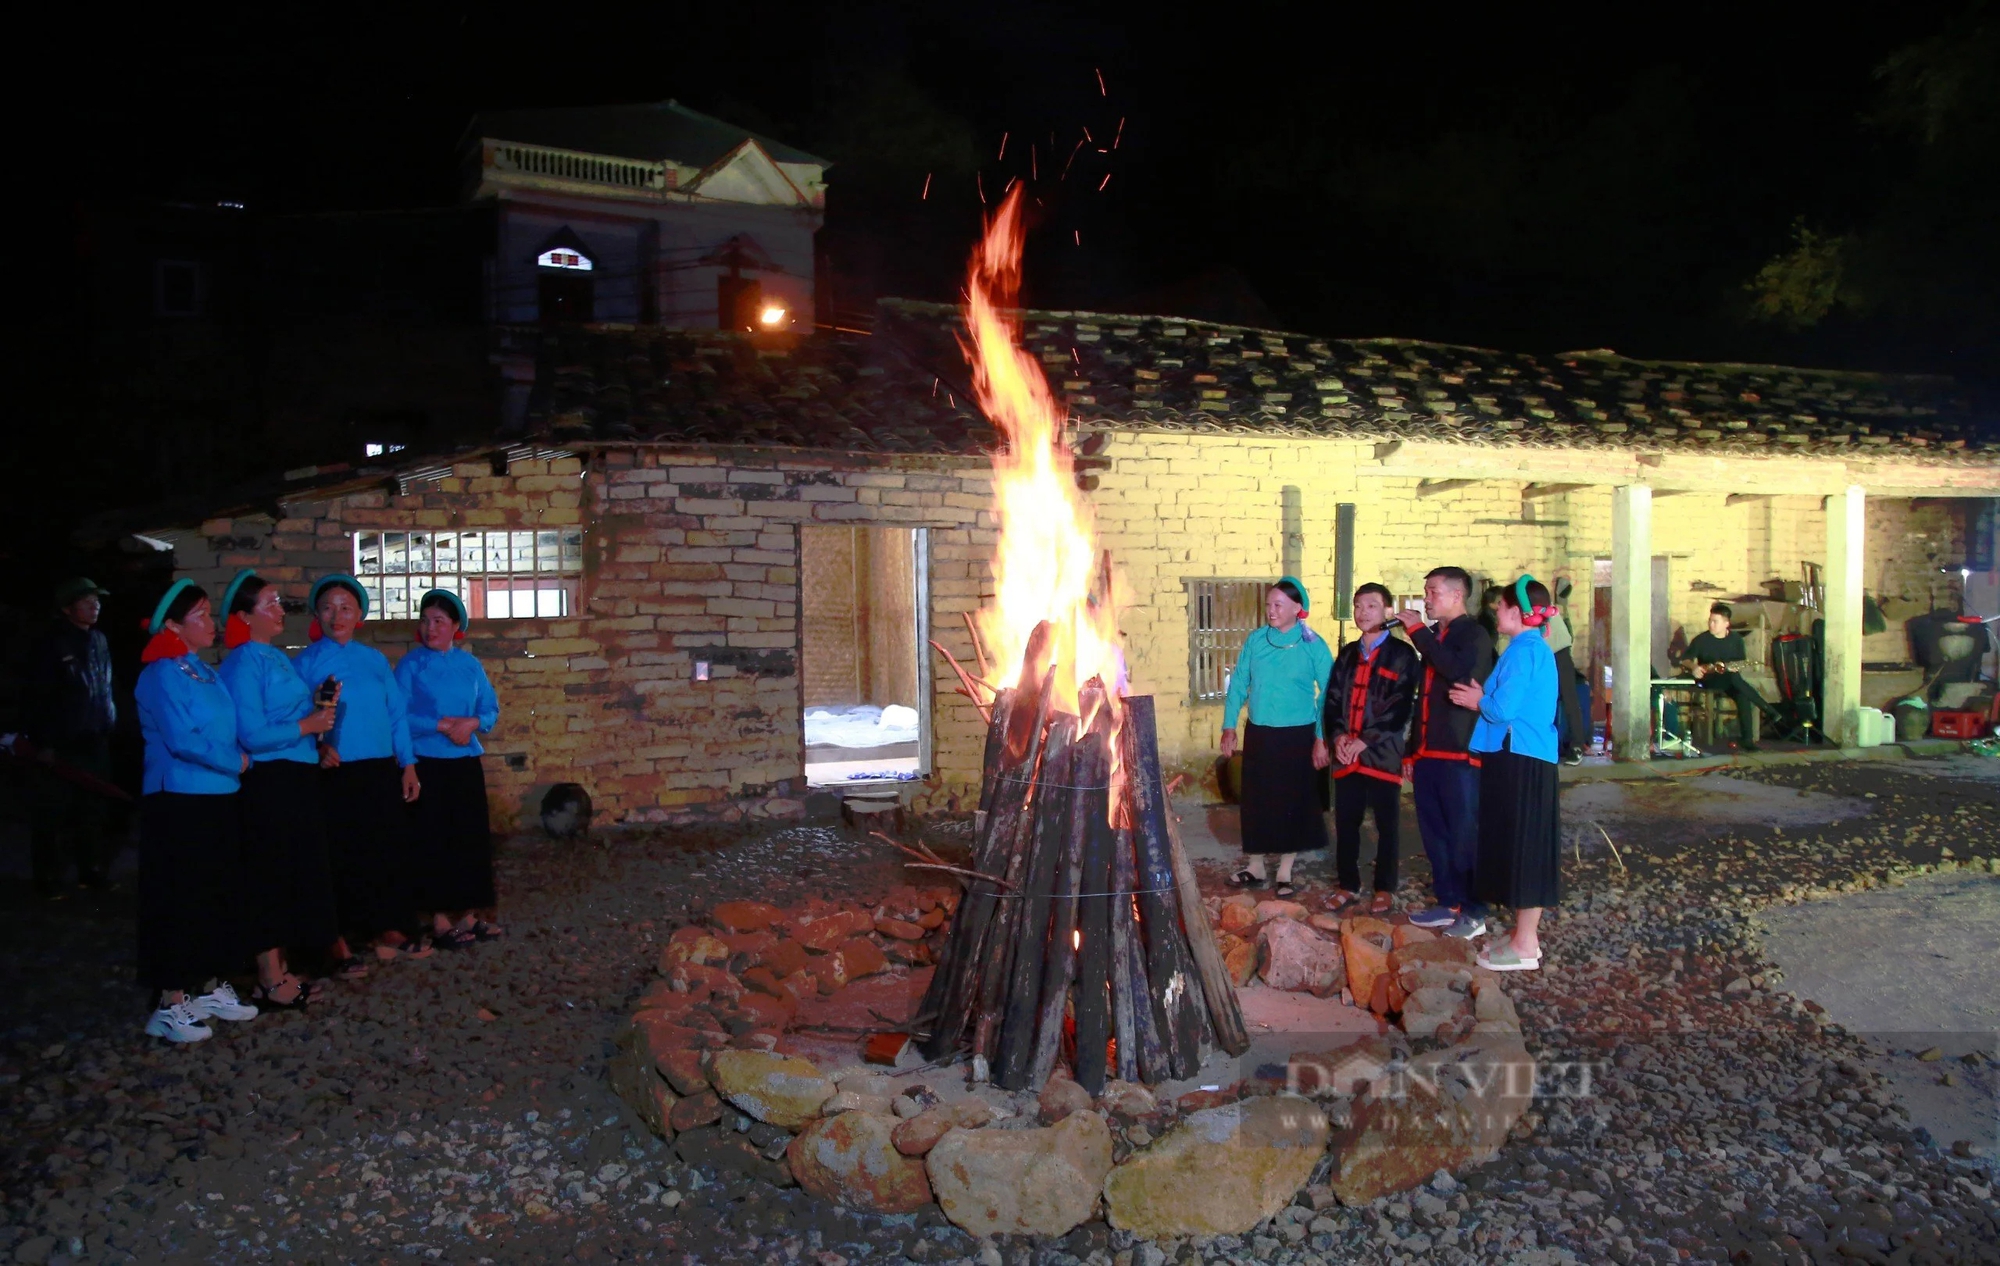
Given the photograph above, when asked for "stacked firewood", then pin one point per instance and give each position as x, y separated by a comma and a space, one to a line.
1081, 937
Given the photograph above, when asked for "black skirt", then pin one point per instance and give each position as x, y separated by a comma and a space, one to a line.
1520, 832
190, 899
288, 881
1283, 808
452, 849
368, 844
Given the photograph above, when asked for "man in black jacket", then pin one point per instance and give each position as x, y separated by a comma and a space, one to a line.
70, 716
1444, 775
1717, 659
1367, 716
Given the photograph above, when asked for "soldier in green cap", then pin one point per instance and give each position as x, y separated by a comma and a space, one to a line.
70, 716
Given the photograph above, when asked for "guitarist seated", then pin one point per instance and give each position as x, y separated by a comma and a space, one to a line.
1717, 660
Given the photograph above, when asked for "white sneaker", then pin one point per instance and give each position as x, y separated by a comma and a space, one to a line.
178, 1023
221, 1003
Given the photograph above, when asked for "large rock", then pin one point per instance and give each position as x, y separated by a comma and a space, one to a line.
1237, 913
781, 1089
918, 1135
1449, 1108
1277, 909
638, 1083
1428, 1007
1239, 958
852, 1159
1061, 1096
1221, 1171
745, 916
1022, 1182
1364, 945
1291, 955
731, 1153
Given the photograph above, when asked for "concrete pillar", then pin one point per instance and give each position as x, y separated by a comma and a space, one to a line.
1632, 621
1846, 531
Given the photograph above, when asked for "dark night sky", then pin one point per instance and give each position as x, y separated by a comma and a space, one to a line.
1571, 181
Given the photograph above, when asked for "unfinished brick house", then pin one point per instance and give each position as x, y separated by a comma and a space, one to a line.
708, 563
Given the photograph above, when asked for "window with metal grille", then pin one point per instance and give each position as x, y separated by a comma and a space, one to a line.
1221, 613
500, 575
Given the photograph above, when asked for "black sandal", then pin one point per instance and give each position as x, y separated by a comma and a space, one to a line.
485, 931
454, 938
1245, 879
353, 967
1284, 889
262, 996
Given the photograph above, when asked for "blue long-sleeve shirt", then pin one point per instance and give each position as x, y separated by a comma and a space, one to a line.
1519, 707
442, 684
271, 699
373, 720
189, 723
1282, 676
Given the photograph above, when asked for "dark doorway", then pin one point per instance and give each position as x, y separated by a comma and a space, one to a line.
737, 302
565, 296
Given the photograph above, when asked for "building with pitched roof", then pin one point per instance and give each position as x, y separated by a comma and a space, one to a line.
699, 559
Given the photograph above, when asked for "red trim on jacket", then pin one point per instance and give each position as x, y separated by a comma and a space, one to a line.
1424, 729
1358, 768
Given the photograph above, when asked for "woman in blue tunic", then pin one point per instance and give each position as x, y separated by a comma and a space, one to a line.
451, 703
289, 882
1520, 828
1282, 675
368, 775
190, 859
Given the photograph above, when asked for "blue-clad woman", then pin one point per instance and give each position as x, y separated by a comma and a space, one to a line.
451, 703
190, 859
369, 773
1282, 675
1520, 844
288, 880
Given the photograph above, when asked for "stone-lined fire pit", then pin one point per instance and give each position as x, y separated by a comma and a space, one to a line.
748, 1055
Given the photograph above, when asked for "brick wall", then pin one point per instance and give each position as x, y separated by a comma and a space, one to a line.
696, 556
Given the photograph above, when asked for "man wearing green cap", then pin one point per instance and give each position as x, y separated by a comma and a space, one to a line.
70, 715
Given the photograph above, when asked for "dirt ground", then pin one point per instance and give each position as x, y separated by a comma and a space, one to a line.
456, 1109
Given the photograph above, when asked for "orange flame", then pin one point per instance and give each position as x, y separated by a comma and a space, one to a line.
1047, 567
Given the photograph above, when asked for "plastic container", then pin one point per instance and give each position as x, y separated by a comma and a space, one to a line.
1887, 728
1868, 727
1957, 725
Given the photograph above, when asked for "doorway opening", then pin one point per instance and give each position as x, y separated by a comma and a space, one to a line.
865, 617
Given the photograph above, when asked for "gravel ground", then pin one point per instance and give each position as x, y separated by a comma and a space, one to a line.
456, 1108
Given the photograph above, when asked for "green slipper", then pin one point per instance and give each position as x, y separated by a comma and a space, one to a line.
1503, 957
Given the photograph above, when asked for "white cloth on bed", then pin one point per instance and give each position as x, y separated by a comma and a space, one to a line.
860, 725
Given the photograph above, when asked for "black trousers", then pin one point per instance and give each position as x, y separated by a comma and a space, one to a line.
1748, 701
1571, 730
68, 819
1352, 796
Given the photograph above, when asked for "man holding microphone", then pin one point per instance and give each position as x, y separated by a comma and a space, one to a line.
1444, 775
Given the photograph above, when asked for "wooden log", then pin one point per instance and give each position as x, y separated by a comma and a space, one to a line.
1059, 964
1218, 992
1093, 968
957, 990
1127, 985
1010, 860
1054, 796
951, 959
996, 742
1177, 984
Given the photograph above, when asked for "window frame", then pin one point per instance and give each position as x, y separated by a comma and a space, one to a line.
552, 568
1214, 647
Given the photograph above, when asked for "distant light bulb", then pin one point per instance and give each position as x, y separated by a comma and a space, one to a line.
771, 315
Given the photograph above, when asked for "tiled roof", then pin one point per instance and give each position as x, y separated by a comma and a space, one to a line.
903, 390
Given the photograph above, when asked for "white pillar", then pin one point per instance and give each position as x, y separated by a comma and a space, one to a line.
1846, 530
1632, 620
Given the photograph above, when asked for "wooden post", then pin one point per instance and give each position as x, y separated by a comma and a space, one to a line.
1219, 992
1177, 986
1093, 974
1010, 862
1054, 795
